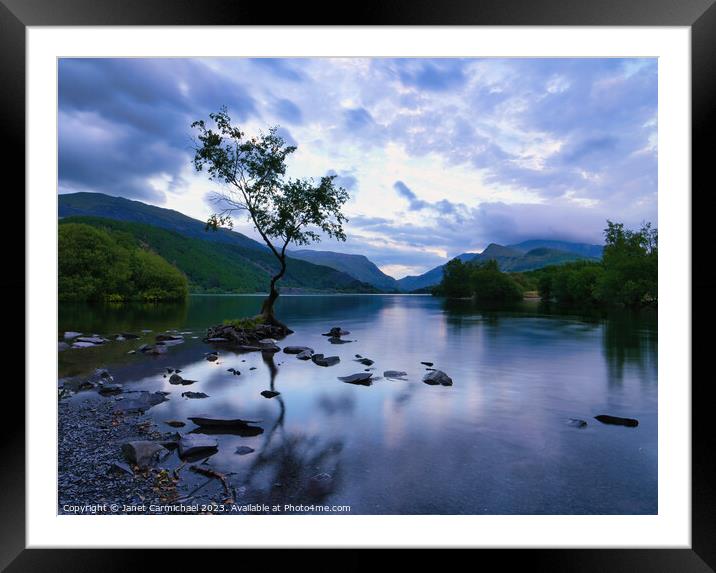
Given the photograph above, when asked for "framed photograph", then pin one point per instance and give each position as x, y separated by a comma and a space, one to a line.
386, 283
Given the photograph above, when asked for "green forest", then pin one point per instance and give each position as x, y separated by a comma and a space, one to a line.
626, 275
100, 265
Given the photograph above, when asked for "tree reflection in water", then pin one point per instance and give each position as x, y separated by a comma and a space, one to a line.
287, 467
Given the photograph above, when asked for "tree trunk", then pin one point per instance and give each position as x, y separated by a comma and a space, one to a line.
267, 307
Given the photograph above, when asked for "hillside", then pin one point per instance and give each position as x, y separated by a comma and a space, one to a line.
510, 259
584, 249
120, 209
357, 266
225, 267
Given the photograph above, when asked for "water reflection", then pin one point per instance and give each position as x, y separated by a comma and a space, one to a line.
498, 441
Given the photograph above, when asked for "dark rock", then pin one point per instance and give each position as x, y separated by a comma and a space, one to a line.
394, 374
336, 331
305, 355
247, 337
321, 360
141, 452
175, 423
119, 468
270, 394
243, 450
616, 420
427, 363
196, 444
129, 335
92, 339
577, 423
252, 368
108, 389
167, 337
338, 340
141, 402
365, 361
194, 395
175, 379
296, 349
208, 422
363, 378
437, 377
155, 350
62, 346
212, 357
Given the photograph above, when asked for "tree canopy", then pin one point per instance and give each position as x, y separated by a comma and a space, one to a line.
251, 172
96, 265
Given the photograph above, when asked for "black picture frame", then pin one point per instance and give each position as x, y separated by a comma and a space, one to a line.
700, 15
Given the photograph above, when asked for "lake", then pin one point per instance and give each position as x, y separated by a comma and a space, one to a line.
499, 441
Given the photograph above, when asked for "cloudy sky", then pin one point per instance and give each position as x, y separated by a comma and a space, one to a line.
439, 156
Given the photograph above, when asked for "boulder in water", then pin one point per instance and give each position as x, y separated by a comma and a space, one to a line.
322, 360
617, 421
437, 377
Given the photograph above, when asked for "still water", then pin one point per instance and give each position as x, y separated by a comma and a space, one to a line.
496, 442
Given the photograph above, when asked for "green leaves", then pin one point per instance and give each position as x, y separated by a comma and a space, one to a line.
251, 171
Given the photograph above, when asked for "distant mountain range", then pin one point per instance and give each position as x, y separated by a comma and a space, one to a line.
227, 261
357, 266
525, 256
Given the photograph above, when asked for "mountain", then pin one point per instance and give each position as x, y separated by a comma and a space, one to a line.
513, 258
584, 249
121, 209
357, 266
233, 263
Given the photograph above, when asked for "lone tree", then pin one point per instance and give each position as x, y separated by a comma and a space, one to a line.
252, 174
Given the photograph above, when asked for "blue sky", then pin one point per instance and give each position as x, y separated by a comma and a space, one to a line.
440, 156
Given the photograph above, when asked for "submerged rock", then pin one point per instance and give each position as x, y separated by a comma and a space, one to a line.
320, 484
195, 444
437, 377
338, 340
305, 355
243, 450
577, 423
141, 452
322, 360
363, 378
616, 420
394, 374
